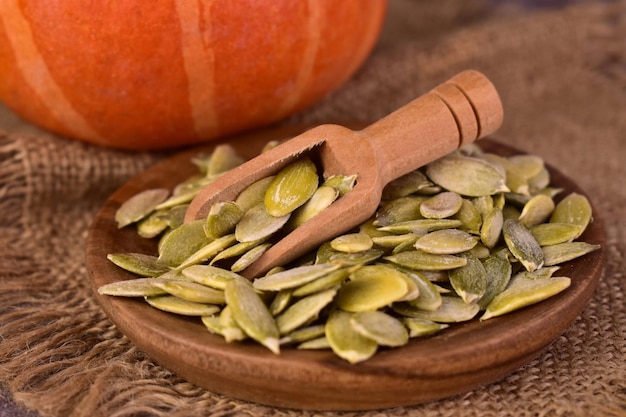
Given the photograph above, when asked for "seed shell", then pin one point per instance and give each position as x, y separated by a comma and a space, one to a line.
346, 342
251, 314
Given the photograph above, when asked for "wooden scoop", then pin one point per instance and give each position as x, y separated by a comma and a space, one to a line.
457, 112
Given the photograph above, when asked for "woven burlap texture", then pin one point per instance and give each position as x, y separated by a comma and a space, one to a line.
562, 78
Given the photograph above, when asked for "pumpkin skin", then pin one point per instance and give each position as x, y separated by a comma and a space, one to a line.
147, 75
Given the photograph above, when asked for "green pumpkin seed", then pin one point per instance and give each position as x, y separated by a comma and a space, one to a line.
237, 249
192, 291
537, 210
210, 276
469, 216
498, 272
548, 234
541, 273
212, 324
326, 254
382, 328
152, 225
491, 228
524, 292
352, 242
419, 260
222, 159
280, 302
222, 219
515, 181
139, 263
523, 245
292, 278
467, 176
250, 257
469, 281
372, 287
529, 165
304, 334
208, 251
251, 314
341, 183
441, 205
539, 184
410, 183
429, 297
346, 342
291, 188
484, 204
229, 328
330, 280
422, 327
399, 210
421, 226
565, 252
317, 344
176, 305
254, 194
323, 197
452, 310
446, 242
573, 209
304, 311
392, 241
257, 224
138, 287
182, 242
139, 206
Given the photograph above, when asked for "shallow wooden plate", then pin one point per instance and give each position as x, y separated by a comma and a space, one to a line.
458, 359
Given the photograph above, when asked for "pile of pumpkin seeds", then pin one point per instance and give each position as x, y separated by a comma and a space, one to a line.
471, 235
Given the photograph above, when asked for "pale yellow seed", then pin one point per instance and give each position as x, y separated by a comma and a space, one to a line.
346, 342
372, 287
139, 206
537, 210
523, 245
446, 242
441, 205
352, 242
257, 224
452, 310
176, 305
291, 187
467, 176
304, 311
380, 327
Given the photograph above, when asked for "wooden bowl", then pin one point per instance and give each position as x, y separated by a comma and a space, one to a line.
458, 359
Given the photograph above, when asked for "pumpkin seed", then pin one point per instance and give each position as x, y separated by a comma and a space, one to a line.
467, 176
139, 206
280, 301
422, 327
346, 342
523, 245
291, 188
469, 216
469, 281
317, 344
292, 278
176, 305
429, 297
539, 183
250, 257
573, 209
405, 185
182, 242
540, 273
139, 263
498, 272
304, 311
237, 249
222, 219
329, 280
529, 165
491, 228
548, 234
382, 328
523, 292
399, 210
352, 242
341, 183
229, 328
212, 324
419, 260
441, 205
208, 251
565, 252
222, 159
304, 334
452, 310
254, 194
192, 291
421, 226
371, 287
326, 254
210, 276
446, 242
251, 314
152, 225
138, 287
515, 181
392, 241
536, 211
257, 223
321, 199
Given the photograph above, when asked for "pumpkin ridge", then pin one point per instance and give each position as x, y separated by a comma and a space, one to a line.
37, 74
198, 60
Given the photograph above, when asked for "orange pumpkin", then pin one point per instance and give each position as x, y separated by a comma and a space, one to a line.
139, 74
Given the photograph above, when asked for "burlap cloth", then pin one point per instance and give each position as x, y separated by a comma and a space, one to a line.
561, 72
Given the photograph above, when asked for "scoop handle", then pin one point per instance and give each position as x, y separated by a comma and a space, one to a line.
459, 111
